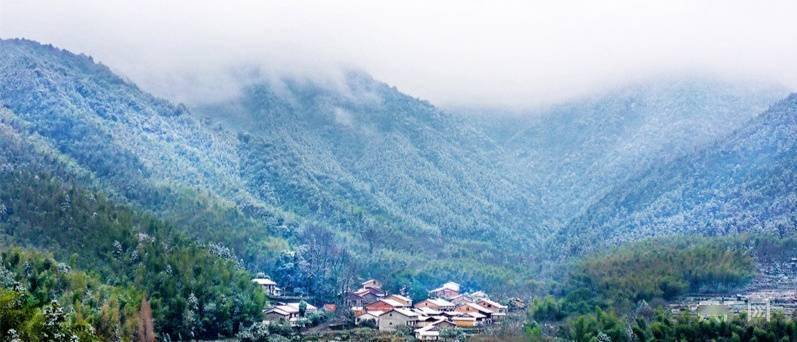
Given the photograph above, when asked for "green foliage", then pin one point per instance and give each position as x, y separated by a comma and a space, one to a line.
195, 290
596, 327
43, 300
266, 332
597, 303
546, 309
661, 270
667, 327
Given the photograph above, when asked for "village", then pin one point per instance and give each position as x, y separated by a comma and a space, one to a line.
446, 310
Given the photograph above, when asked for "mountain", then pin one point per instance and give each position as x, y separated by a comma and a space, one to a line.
573, 153
387, 172
137, 148
374, 171
744, 182
104, 259
322, 183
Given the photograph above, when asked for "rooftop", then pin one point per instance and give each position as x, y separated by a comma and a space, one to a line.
440, 302
263, 281
478, 307
406, 312
493, 303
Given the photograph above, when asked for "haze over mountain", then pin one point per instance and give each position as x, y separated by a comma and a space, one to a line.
514, 54
321, 184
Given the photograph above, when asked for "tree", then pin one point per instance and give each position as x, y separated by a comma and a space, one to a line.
452, 334
302, 308
146, 328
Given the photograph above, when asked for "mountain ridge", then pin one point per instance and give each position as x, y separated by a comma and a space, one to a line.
398, 188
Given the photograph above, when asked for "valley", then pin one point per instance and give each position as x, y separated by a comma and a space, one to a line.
170, 210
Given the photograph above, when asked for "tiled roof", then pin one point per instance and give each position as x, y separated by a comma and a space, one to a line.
400, 297
478, 307
440, 302
392, 303
406, 312
495, 304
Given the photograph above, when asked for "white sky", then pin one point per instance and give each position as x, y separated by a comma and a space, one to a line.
454, 53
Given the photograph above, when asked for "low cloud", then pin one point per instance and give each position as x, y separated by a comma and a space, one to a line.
455, 53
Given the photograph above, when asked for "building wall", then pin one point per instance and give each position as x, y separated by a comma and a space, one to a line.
392, 320
466, 308
275, 317
465, 324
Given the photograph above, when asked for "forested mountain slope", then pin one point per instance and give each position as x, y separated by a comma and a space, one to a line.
318, 184
745, 182
370, 149
382, 172
572, 154
131, 145
196, 290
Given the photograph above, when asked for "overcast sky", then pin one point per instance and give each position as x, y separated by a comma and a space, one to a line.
453, 53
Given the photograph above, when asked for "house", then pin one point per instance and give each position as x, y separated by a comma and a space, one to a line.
401, 299
289, 312
428, 311
443, 324
438, 304
278, 313
330, 307
384, 304
431, 332
427, 333
365, 296
368, 316
308, 309
498, 309
480, 318
423, 321
268, 286
357, 310
461, 299
448, 290
391, 320
464, 321
371, 284
474, 308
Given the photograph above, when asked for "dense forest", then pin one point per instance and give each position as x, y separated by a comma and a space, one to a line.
743, 182
621, 294
259, 191
194, 290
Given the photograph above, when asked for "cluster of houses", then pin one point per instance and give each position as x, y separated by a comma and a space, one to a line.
289, 311
446, 307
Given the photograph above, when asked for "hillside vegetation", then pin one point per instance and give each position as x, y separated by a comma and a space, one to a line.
195, 290
620, 294
744, 182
